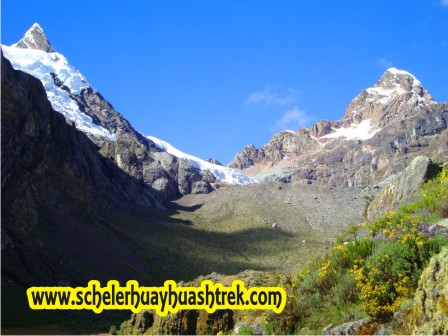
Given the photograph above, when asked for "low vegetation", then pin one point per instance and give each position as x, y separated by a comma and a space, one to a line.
372, 270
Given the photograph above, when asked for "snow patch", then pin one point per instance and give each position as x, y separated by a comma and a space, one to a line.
361, 131
397, 72
317, 140
383, 95
41, 65
224, 174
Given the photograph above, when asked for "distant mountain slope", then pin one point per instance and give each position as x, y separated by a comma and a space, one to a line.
382, 130
70, 93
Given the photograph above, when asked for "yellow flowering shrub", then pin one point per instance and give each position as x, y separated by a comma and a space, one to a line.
386, 279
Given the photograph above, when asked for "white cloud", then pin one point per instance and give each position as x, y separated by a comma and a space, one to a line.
444, 2
292, 119
384, 62
269, 96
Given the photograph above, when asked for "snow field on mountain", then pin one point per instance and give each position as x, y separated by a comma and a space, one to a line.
361, 131
41, 65
224, 174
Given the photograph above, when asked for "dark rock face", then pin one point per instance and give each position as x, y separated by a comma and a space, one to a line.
58, 197
39, 148
408, 123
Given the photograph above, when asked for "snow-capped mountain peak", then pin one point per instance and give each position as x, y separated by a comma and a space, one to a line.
395, 83
35, 38
397, 92
397, 73
34, 55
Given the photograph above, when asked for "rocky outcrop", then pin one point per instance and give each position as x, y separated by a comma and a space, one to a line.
247, 158
185, 322
403, 185
365, 326
430, 312
323, 128
383, 129
286, 145
283, 145
214, 161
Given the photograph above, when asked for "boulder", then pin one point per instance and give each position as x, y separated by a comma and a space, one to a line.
430, 313
184, 322
402, 186
365, 326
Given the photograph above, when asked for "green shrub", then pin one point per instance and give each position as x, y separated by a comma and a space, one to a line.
386, 279
379, 269
246, 330
346, 290
391, 274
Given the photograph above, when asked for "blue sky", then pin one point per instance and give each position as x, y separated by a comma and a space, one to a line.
213, 76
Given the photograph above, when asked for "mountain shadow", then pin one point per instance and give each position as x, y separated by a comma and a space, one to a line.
70, 215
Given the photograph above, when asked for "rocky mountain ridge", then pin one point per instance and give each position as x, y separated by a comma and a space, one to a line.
54, 185
70, 93
381, 131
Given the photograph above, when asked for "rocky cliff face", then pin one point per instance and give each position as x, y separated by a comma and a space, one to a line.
40, 149
58, 194
382, 130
